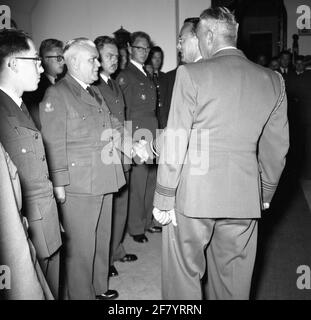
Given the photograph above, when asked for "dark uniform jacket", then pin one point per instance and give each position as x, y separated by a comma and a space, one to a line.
80, 141
140, 99
115, 102
23, 142
32, 99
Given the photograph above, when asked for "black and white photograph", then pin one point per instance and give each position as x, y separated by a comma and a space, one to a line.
155, 150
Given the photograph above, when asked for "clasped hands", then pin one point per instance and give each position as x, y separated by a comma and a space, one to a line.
165, 217
139, 148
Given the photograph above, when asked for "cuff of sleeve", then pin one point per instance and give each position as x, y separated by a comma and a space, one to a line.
60, 178
268, 191
162, 202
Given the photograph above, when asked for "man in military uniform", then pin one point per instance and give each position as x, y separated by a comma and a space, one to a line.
140, 101
51, 53
20, 71
81, 137
233, 113
113, 96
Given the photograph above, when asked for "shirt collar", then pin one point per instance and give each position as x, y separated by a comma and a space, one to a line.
198, 59
139, 66
52, 79
13, 96
104, 77
82, 84
224, 48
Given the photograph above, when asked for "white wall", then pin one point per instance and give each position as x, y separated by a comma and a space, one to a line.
304, 41
67, 19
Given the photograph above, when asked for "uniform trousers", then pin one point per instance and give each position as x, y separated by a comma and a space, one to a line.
225, 247
142, 188
87, 224
50, 268
119, 217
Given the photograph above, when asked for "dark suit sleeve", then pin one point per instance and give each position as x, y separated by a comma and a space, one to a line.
273, 146
176, 138
53, 118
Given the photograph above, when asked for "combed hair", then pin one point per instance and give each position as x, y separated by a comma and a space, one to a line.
222, 21
102, 40
12, 42
75, 43
194, 21
139, 34
48, 45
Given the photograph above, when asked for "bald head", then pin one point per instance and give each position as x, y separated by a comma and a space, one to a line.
81, 57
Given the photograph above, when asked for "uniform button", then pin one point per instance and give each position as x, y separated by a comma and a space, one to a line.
36, 136
117, 101
43, 158
24, 150
137, 127
73, 164
100, 110
84, 117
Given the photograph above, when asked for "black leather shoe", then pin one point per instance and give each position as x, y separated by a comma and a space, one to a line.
155, 229
108, 295
140, 238
129, 258
113, 272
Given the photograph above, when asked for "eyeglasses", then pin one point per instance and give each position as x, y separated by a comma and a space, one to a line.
141, 49
37, 60
58, 58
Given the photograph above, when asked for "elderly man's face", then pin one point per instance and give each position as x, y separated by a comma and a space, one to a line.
188, 44
87, 64
109, 58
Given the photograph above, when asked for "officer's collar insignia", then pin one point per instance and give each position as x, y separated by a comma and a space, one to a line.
121, 81
48, 107
143, 97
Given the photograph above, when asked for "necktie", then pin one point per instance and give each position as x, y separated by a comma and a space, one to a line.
25, 110
110, 84
93, 94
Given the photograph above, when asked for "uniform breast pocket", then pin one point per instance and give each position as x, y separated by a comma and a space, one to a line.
78, 127
24, 157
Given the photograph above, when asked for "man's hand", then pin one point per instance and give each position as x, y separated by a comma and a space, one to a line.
139, 149
60, 194
165, 217
266, 206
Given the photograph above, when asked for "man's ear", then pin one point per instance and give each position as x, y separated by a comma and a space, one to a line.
12, 64
129, 49
209, 36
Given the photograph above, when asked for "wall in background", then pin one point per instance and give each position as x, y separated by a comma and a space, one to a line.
67, 19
